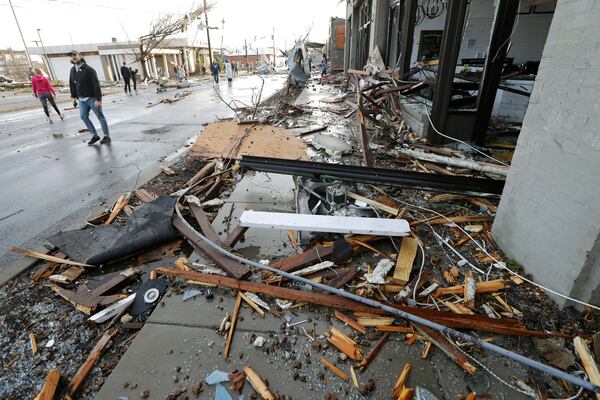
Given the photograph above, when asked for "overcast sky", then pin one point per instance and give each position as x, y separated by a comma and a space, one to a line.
63, 22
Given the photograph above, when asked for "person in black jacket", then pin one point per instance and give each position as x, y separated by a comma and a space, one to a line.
134, 79
126, 74
85, 87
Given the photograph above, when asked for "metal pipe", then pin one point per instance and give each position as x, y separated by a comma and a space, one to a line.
457, 335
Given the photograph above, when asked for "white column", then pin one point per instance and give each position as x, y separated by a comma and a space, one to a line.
165, 66
191, 59
186, 58
154, 71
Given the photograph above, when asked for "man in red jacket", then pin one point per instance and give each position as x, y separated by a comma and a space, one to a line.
43, 90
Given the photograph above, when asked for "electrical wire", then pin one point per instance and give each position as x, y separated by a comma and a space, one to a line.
460, 141
497, 263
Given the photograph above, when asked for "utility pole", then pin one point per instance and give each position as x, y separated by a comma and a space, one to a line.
222, 34
273, 37
207, 32
20, 33
49, 65
246, 52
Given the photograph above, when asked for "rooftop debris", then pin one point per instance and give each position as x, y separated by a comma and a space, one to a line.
403, 257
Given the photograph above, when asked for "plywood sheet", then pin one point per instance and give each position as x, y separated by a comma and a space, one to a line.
220, 140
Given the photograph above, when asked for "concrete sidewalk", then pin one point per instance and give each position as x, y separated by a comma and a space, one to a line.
180, 343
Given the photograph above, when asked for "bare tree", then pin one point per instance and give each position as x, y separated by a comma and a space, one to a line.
163, 27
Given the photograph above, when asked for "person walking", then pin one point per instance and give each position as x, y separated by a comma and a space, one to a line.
134, 79
228, 71
215, 70
126, 74
43, 90
84, 85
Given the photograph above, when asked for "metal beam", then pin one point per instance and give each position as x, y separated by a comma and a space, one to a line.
408, 32
497, 49
450, 46
377, 176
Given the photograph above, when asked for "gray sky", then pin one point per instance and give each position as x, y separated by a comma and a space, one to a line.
89, 21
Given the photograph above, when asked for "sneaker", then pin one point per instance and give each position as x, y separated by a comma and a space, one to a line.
49, 119
105, 140
62, 116
94, 139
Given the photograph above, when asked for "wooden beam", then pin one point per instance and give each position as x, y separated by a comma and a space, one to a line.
202, 173
401, 381
86, 367
504, 326
236, 310
258, 384
232, 268
480, 287
299, 261
50, 385
374, 352
235, 236
205, 225
335, 369
447, 347
344, 344
252, 304
325, 223
349, 321
121, 202
42, 256
587, 359
405, 260
376, 204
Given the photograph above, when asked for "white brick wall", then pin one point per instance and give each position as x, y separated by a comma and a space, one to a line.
549, 215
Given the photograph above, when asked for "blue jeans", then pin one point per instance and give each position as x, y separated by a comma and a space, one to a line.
84, 114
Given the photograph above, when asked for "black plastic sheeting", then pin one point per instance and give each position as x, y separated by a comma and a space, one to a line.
149, 226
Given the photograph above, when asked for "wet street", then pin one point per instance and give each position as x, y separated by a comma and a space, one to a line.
51, 179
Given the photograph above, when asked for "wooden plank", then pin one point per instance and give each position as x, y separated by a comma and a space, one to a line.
354, 378
42, 256
357, 72
406, 394
335, 369
405, 260
458, 308
204, 171
233, 268
258, 384
50, 385
299, 261
376, 321
392, 328
376, 204
344, 344
205, 225
121, 202
33, 343
447, 347
67, 276
587, 359
505, 326
252, 304
235, 236
426, 349
87, 365
236, 310
341, 280
480, 287
401, 381
229, 140
144, 195
349, 321
325, 223
374, 352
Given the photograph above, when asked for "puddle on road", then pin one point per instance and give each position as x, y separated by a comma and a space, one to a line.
155, 131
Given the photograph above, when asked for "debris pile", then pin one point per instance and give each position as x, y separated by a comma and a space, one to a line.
398, 253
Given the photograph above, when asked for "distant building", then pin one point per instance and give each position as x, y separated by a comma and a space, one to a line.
336, 43
107, 58
262, 56
14, 64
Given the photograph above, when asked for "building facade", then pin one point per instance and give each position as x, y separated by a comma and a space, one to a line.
14, 64
107, 58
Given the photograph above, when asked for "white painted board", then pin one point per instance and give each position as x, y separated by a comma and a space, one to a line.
325, 223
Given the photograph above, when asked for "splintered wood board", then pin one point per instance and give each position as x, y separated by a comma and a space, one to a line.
405, 260
220, 140
325, 223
